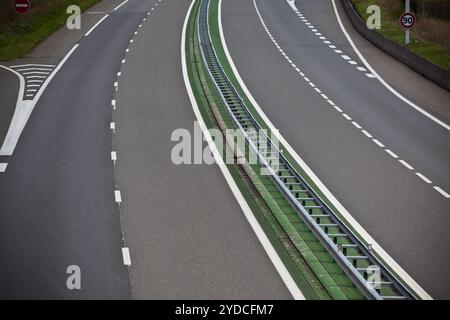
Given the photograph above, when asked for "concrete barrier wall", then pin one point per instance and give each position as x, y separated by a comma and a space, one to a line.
412, 60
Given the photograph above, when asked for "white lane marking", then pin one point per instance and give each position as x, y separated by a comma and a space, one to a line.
35, 77
331, 102
361, 69
95, 25
114, 156
123, 61
3, 167
24, 108
317, 90
338, 51
406, 164
392, 154
131, 41
36, 72
116, 84
337, 108
370, 75
347, 217
345, 57
33, 65
356, 125
378, 143
367, 134
35, 69
262, 237
113, 103
353, 62
118, 196
35, 81
126, 254
120, 5
397, 94
441, 191
421, 176
346, 116
112, 126
119, 74
324, 96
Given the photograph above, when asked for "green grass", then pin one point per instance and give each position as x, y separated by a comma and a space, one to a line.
391, 29
21, 33
311, 266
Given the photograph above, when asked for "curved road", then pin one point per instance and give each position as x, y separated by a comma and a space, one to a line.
187, 235
394, 203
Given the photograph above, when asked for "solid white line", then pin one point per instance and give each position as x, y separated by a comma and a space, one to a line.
36, 72
3, 167
421, 176
37, 69
445, 194
126, 254
120, 5
347, 217
118, 196
262, 237
24, 108
32, 65
406, 164
392, 154
95, 25
368, 66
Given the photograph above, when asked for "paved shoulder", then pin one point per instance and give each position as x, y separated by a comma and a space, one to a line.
187, 235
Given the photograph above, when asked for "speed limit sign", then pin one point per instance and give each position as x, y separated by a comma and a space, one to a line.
407, 20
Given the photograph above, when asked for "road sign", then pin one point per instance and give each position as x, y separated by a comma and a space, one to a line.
21, 6
407, 20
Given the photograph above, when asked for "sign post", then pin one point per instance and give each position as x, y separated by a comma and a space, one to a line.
407, 20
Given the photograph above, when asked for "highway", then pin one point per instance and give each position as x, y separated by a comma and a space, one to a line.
384, 161
187, 235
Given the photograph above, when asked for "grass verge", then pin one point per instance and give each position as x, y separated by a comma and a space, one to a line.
21, 33
390, 28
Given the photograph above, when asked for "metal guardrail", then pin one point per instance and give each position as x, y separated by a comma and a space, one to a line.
357, 261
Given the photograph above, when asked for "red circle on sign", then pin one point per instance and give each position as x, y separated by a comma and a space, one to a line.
407, 20
21, 6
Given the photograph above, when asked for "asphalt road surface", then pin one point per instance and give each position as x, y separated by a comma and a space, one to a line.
188, 237
404, 213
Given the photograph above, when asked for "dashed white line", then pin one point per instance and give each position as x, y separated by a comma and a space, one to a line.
126, 254
406, 164
421, 176
346, 116
113, 103
112, 126
356, 125
392, 154
3, 167
114, 156
441, 191
378, 143
118, 196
